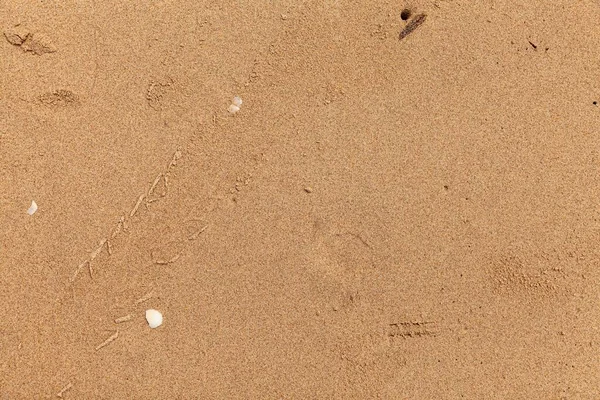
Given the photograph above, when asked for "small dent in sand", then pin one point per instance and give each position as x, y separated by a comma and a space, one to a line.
156, 92
29, 42
59, 98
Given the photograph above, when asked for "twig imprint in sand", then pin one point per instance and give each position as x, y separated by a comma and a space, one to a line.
144, 298
63, 390
108, 341
123, 319
137, 205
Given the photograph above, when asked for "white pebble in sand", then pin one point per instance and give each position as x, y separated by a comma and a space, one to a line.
32, 209
237, 101
233, 109
154, 318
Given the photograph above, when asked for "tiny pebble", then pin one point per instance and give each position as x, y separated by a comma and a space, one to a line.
308, 189
154, 318
33, 208
237, 101
233, 109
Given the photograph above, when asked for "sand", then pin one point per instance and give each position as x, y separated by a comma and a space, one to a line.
389, 215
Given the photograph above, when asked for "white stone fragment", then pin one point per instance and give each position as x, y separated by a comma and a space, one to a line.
154, 318
233, 109
32, 209
237, 101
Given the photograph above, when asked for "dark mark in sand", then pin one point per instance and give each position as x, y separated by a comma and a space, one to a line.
412, 25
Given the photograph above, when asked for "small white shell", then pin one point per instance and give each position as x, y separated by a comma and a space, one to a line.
237, 101
233, 109
33, 208
154, 318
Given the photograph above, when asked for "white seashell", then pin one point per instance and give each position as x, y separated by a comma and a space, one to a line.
154, 318
237, 101
233, 109
32, 209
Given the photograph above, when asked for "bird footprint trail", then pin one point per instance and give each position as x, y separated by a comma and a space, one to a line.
124, 221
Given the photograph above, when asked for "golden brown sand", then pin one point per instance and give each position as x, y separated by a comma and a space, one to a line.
401, 209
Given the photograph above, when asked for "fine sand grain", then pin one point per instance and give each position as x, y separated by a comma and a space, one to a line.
405, 206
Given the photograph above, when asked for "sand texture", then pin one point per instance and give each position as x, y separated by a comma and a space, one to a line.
400, 209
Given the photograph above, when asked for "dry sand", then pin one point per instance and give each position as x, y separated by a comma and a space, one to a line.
383, 218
